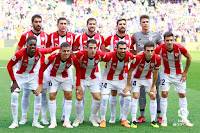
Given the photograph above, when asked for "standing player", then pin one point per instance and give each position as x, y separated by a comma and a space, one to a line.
57, 38
113, 77
112, 41
140, 38
80, 44
89, 60
172, 72
59, 77
25, 76
42, 42
142, 68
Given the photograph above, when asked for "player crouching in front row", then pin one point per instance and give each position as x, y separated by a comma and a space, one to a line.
142, 67
26, 76
59, 77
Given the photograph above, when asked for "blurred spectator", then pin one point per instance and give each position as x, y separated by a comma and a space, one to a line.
180, 18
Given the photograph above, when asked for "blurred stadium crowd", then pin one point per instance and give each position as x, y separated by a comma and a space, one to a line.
180, 18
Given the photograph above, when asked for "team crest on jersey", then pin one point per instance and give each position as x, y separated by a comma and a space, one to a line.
84, 66
42, 38
127, 41
25, 60
114, 64
140, 68
176, 54
37, 58
14, 58
46, 61
152, 64
116, 41
113, 68
56, 39
68, 65
25, 64
84, 61
97, 61
84, 41
68, 39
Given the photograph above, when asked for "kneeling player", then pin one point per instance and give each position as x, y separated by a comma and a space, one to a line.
59, 77
26, 76
142, 68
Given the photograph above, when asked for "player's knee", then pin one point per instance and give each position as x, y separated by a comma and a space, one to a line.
114, 92
152, 96
136, 95
164, 94
181, 95
105, 98
68, 96
14, 97
79, 97
52, 96
97, 97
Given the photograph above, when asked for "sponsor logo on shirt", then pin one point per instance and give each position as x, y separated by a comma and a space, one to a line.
14, 58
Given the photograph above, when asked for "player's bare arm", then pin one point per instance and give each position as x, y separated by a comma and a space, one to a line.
14, 86
38, 90
104, 49
18, 48
188, 62
155, 76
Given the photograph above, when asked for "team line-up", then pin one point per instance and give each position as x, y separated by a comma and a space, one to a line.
126, 71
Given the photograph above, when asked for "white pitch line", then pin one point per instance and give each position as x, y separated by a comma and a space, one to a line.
3, 67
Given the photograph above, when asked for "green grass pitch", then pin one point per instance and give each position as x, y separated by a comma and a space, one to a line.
193, 94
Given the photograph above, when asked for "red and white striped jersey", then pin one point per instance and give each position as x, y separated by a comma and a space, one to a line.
59, 68
142, 68
171, 61
114, 69
57, 40
26, 64
82, 40
42, 39
114, 39
88, 66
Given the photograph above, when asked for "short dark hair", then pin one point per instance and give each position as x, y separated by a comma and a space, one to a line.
122, 19
148, 44
64, 44
31, 38
35, 16
91, 19
168, 34
91, 41
121, 42
144, 16
61, 18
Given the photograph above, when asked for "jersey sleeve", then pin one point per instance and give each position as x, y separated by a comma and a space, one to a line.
107, 41
136, 61
22, 40
182, 49
107, 57
48, 45
12, 62
44, 66
76, 43
78, 71
159, 39
79, 54
157, 49
48, 50
158, 63
132, 44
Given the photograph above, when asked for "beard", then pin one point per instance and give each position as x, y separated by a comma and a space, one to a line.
37, 28
121, 31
